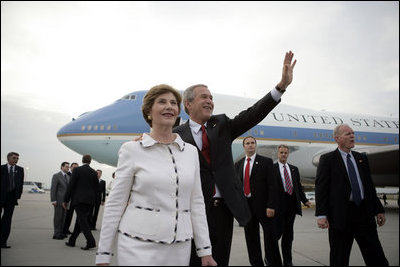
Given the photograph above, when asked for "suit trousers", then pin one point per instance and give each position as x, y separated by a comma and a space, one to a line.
82, 224
361, 227
252, 234
95, 213
59, 219
68, 219
220, 224
8, 205
286, 222
221, 232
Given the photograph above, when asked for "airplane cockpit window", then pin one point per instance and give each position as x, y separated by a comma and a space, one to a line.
129, 97
83, 114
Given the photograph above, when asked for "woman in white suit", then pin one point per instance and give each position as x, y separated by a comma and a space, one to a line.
156, 205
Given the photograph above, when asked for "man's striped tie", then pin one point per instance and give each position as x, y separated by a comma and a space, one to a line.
288, 184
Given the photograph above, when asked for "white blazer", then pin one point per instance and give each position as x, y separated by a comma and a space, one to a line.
156, 197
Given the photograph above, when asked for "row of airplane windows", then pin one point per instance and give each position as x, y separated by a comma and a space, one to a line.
359, 137
98, 127
255, 132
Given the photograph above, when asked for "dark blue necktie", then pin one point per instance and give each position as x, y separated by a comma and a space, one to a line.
355, 187
11, 177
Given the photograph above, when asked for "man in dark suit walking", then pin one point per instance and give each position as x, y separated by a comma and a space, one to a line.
100, 198
346, 202
259, 188
59, 185
290, 193
82, 193
213, 136
12, 182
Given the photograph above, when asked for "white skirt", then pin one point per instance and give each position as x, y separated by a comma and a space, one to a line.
134, 252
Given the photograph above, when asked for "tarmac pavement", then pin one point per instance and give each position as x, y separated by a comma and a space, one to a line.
32, 244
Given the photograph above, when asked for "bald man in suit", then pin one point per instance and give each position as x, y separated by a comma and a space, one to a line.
346, 202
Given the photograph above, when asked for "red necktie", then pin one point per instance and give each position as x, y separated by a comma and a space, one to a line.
205, 149
247, 178
288, 184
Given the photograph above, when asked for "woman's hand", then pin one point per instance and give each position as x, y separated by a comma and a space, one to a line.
208, 261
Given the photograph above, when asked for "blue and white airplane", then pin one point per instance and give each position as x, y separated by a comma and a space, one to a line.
308, 133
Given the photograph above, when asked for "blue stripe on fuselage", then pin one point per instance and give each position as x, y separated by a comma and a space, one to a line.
318, 135
272, 133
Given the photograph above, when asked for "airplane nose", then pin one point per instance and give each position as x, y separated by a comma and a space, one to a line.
101, 132
66, 129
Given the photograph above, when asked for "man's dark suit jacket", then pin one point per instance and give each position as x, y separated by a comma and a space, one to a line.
332, 188
262, 184
18, 180
221, 132
297, 189
82, 186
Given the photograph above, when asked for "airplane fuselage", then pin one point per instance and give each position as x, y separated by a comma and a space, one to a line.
308, 133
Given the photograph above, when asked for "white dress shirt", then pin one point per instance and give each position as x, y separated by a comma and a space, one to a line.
344, 157
252, 159
283, 174
9, 167
197, 136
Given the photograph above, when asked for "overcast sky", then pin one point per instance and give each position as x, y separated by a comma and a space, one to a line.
60, 59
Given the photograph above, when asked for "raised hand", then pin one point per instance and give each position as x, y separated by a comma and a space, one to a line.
287, 71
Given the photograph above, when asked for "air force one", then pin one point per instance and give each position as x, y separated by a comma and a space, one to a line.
308, 133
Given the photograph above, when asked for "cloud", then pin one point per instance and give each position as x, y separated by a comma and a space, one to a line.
92, 53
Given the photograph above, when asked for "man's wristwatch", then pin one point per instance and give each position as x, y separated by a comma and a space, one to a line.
280, 90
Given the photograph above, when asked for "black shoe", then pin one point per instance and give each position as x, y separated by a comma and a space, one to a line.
58, 237
288, 264
69, 245
5, 246
88, 247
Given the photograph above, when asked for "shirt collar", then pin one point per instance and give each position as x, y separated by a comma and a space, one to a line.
148, 141
252, 157
195, 126
281, 165
344, 154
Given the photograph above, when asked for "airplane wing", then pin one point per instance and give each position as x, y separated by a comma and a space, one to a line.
383, 162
